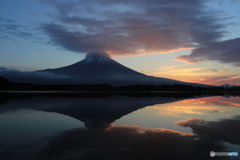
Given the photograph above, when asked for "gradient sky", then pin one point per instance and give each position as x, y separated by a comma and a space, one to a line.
188, 40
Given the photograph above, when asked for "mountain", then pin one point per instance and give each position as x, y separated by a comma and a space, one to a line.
95, 65
96, 68
99, 68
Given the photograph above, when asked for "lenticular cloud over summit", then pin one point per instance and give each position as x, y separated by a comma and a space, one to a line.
99, 54
98, 57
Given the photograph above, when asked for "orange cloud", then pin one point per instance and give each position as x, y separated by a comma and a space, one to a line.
218, 80
178, 109
145, 130
176, 71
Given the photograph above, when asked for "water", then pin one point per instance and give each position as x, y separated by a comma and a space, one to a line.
118, 126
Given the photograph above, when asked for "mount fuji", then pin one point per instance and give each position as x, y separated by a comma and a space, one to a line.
95, 65
96, 68
99, 68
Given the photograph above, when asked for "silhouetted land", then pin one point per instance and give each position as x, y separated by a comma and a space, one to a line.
6, 85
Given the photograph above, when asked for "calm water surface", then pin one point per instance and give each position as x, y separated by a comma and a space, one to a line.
118, 127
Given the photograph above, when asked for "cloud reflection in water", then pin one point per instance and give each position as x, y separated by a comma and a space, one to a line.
122, 142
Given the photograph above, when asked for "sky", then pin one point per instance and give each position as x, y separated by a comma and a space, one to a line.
188, 40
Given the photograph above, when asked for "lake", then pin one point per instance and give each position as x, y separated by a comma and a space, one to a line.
117, 126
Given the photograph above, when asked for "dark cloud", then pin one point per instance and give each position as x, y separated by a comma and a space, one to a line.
138, 27
132, 27
225, 129
214, 111
223, 52
4, 37
9, 27
124, 142
221, 80
213, 70
6, 20
30, 77
121, 142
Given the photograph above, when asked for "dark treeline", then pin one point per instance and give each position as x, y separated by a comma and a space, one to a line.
6, 85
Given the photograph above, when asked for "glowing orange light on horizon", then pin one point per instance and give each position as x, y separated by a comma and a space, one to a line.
142, 51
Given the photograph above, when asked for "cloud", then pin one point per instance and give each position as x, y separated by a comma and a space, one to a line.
179, 109
30, 77
223, 52
5, 20
120, 142
219, 80
226, 102
224, 130
199, 106
167, 68
9, 27
177, 71
4, 37
133, 27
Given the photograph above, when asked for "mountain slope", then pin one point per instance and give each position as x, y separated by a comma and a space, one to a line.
96, 68
100, 68
95, 65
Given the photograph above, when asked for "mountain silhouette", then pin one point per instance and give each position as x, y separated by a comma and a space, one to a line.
98, 67
96, 64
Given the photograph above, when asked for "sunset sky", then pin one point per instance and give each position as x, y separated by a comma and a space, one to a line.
188, 40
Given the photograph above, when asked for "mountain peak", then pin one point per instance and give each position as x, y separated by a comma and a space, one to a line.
99, 68
97, 57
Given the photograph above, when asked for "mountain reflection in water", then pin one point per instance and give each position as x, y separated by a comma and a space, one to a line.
108, 135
